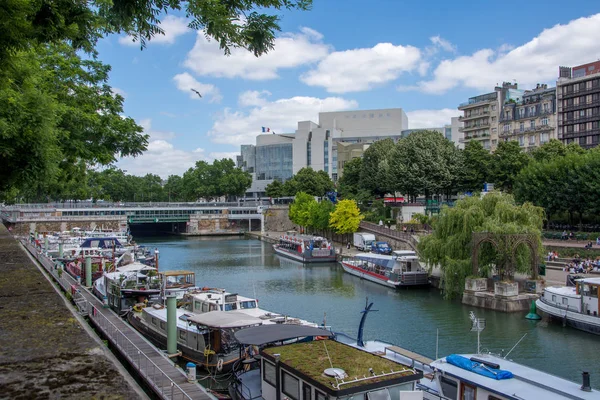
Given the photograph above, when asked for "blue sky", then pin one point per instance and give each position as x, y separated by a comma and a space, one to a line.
426, 57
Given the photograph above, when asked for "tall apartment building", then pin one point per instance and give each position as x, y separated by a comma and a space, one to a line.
530, 120
481, 114
578, 95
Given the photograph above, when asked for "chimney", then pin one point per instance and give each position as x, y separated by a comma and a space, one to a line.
586, 382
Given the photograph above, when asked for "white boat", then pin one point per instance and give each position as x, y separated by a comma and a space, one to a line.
402, 268
305, 248
575, 306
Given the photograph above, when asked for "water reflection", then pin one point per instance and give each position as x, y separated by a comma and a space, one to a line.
408, 317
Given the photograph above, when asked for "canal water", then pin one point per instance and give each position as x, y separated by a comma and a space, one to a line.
411, 318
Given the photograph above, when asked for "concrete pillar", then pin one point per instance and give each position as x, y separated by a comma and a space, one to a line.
46, 244
249, 224
262, 223
171, 324
88, 271
60, 250
218, 224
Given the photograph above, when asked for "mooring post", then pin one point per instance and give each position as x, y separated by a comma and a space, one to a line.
46, 245
88, 271
60, 250
171, 324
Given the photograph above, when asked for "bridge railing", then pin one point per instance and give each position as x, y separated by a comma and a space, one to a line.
152, 204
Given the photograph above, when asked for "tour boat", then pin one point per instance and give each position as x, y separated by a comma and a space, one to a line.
402, 268
304, 248
205, 339
577, 306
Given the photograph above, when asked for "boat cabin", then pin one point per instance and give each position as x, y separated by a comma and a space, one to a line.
488, 377
213, 299
96, 246
326, 369
587, 288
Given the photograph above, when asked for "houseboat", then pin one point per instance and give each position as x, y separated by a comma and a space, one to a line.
402, 268
317, 369
213, 299
205, 339
304, 248
575, 306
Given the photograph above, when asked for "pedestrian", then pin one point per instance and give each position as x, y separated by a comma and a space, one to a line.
348, 245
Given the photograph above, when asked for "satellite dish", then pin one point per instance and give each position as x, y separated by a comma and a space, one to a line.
335, 373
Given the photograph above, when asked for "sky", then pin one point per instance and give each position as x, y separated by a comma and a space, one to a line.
424, 57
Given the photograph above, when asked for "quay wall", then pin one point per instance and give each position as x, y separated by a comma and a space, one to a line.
45, 352
24, 228
277, 219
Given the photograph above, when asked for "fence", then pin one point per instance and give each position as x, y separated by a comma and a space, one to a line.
390, 233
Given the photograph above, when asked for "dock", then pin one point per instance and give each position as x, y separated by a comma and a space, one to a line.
165, 379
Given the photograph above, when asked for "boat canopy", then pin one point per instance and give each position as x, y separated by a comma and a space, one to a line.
260, 335
224, 319
378, 259
478, 367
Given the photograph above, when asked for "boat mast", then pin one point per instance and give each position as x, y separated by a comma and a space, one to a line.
359, 340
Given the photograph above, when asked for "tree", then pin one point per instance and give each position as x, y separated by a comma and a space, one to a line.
300, 209
426, 163
555, 148
231, 181
375, 175
449, 246
507, 161
274, 189
346, 217
320, 214
349, 183
173, 188
476, 162
309, 181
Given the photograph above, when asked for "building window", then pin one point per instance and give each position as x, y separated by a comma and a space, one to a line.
582, 141
521, 140
506, 128
269, 373
371, 115
532, 124
544, 121
522, 127
543, 138
291, 386
494, 107
532, 140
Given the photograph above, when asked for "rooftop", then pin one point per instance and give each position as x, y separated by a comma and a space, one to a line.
311, 359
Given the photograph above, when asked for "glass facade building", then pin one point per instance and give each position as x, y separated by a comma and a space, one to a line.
274, 162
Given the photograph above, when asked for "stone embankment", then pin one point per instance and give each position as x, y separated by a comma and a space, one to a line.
45, 351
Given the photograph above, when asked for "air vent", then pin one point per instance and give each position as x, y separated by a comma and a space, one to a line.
335, 373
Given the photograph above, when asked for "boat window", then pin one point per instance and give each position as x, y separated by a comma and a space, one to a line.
153, 321
449, 388
468, 392
204, 307
490, 397
565, 300
247, 304
382, 394
230, 306
182, 335
269, 373
213, 307
590, 290
306, 391
554, 298
291, 385
197, 305
320, 396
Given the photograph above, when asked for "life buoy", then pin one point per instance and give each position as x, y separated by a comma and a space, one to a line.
220, 365
320, 337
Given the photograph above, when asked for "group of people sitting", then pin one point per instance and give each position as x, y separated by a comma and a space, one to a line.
579, 266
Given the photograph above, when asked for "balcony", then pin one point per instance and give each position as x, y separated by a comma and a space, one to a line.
569, 135
576, 93
574, 121
477, 101
475, 137
473, 116
580, 106
474, 127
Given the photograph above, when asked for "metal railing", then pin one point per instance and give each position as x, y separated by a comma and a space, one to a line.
110, 204
157, 378
391, 233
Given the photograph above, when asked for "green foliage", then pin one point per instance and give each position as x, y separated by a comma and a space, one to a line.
476, 162
349, 184
319, 214
507, 161
274, 189
346, 217
421, 218
208, 181
300, 209
308, 181
427, 163
569, 183
375, 173
449, 246
555, 149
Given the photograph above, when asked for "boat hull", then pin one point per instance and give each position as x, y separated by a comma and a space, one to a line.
301, 257
196, 356
575, 320
382, 280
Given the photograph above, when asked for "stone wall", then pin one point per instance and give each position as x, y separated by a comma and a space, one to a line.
212, 225
24, 228
278, 220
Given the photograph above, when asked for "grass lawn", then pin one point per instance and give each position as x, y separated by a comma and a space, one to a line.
311, 359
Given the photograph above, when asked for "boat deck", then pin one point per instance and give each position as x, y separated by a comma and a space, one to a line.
407, 353
153, 366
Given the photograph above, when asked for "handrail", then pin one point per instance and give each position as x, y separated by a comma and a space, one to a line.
404, 236
171, 383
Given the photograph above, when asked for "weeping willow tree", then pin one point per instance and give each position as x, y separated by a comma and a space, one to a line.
449, 246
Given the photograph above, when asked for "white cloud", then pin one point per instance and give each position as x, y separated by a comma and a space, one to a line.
121, 92
439, 42
218, 155
362, 69
155, 135
172, 26
536, 61
430, 118
237, 127
186, 82
291, 50
253, 98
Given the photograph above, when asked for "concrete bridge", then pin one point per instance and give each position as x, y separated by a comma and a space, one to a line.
178, 218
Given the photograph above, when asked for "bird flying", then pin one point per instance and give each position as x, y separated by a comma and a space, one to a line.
195, 91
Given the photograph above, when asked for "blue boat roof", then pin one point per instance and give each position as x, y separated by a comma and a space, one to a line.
102, 242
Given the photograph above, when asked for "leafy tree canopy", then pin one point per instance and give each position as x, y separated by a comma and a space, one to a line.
449, 246
554, 149
309, 181
274, 189
346, 217
477, 164
349, 183
300, 209
507, 161
375, 173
